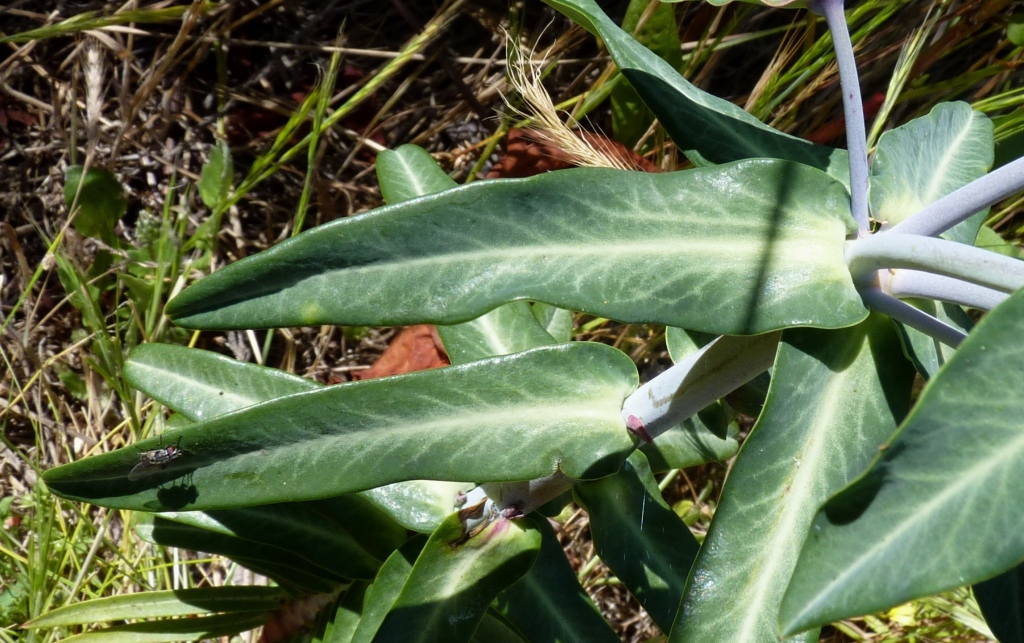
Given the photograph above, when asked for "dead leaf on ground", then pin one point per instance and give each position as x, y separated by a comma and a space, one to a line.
416, 348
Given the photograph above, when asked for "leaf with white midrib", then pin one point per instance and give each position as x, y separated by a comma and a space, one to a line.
961, 449
508, 418
825, 415
740, 248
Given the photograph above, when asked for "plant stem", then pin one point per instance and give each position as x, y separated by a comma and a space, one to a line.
901, 311
853, 107
914, 283
698, 380
939, 216
526, 497
939, 256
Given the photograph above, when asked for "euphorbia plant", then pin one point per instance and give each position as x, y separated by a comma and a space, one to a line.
840, 278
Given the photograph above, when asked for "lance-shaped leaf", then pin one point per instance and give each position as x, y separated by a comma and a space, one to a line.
297, 528
639, 537
384, 590
948, 484
163, 604
453, 582
718, 130
201, 385
835, 397
656, 29
739, 249
517, 417
340, 625
409, 172
548, 605
174, 629
1001, 600
494, 628
284, 566
507, 329
928, 158
557, 321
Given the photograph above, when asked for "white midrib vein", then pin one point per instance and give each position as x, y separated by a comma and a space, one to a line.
467, 568
795, 511
493, 335
931, 192
984, 468
803, 249
222, 395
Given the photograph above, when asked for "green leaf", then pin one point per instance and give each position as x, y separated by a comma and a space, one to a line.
928, 158
180, 602
901, 530
835, 397
202, 385
507, 329
695, 441
1001, 600
557, 321
341, 625
316, 536
990, 240
640, 538
509, 418
659, 33
494, 628
736, 249
100, 202
284, 566
384, 591
177, 629
216, 176
453, 582
927, 353
1015, 29
419, 505
719, 131
548, 605
409, 172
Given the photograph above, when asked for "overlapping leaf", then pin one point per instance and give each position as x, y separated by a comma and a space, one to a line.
201, 385
451, 584
739, 249
640, 538
926, 159
509, 418
830, 406
548, 605
718, 130
948, 483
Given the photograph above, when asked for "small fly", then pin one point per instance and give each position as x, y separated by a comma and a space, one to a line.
157, 459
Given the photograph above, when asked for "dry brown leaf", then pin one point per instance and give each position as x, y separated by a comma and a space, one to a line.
416, 348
